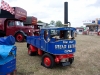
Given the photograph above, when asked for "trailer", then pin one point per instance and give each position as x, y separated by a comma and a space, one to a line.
7, 56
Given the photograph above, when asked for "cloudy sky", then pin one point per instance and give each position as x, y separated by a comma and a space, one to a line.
47, 10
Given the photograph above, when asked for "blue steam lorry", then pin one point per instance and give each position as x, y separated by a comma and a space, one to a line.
56, 45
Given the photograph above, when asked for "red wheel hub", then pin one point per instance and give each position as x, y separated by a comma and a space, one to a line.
47, 61
19, 37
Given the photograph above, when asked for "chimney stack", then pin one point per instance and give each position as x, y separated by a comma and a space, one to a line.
66, 14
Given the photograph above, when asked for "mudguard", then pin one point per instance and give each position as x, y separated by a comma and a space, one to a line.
20, 31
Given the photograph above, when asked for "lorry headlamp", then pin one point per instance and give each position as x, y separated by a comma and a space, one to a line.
29, 31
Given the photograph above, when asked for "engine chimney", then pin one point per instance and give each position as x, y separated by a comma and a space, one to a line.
66, 14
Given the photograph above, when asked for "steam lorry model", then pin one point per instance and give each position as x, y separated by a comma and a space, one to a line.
56, 45
13, 24
7, 56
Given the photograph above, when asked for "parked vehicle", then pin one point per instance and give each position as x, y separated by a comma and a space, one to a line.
56, 45
54, 48
31, 22
12, 24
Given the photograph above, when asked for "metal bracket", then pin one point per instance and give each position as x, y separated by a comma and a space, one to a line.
68, 24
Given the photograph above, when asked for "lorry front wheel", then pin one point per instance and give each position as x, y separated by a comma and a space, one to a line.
19, 37
48, 61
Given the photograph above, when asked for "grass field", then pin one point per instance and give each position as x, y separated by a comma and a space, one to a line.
87, 59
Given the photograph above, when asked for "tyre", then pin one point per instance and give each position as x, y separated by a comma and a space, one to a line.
48, 61
19, 37
30, 52
71, 60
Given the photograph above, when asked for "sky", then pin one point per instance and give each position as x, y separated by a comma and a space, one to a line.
47, 10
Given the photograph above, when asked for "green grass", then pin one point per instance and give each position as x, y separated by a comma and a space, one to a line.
87, 59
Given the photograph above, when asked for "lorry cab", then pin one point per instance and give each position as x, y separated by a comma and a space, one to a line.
17, 28
31, 22
11, 26
60, 39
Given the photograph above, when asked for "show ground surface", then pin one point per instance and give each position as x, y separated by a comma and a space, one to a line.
87, 59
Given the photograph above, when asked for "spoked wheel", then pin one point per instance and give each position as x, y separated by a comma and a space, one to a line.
48, 61
71, 60
19, 37
30, 51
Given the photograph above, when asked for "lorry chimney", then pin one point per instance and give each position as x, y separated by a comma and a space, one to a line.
66, 13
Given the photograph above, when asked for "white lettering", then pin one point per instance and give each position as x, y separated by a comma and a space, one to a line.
70, 41
60, 46
65, 42
67, 51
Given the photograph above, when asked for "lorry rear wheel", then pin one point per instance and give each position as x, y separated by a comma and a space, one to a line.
30, 51
19, 37
48, 61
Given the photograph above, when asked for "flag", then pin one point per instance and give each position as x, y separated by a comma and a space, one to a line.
7, 7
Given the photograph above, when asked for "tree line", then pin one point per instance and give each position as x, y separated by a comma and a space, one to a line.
52, 22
